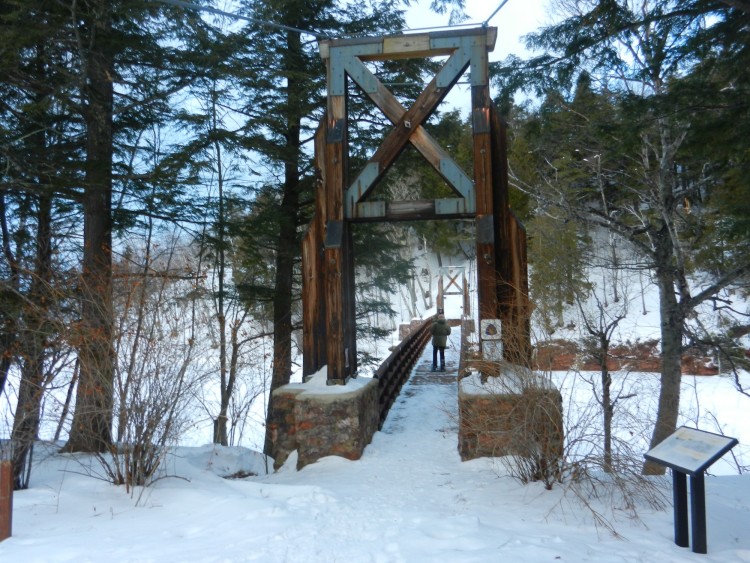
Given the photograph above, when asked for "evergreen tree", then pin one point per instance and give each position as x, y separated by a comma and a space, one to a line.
88, 78
661, 66
40, 149
284, 83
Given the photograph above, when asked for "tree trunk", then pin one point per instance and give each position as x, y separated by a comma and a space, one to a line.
288, 241
282, 300
607, 407
92, 421
9, 320
672, 321
34, 343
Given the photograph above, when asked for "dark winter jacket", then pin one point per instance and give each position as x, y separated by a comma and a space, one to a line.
440, 331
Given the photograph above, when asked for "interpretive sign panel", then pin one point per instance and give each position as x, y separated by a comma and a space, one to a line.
690, 450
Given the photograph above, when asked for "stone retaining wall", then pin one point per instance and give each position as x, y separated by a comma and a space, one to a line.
498, 419
319, 421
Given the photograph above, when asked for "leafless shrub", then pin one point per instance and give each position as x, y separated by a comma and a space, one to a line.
517, 416
610, 472
514, 414
156, 372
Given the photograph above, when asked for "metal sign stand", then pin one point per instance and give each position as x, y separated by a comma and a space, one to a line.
690, 452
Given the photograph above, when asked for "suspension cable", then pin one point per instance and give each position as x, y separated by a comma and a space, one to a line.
487, 21
197, 8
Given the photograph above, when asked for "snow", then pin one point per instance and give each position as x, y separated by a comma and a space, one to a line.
409, 499
317, 384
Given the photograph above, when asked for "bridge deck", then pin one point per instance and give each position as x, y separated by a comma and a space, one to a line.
428, 401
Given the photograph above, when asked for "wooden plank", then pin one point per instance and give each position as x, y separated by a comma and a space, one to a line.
501, 211
412, 208
395, 47
512, 266
480, 104
411, 45
408, 210
335, 159
486, 280
349, 310
6, 499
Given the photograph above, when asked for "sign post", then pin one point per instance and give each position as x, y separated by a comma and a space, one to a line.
6, 495
690, 452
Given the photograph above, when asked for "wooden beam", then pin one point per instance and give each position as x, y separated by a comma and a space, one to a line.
414, 45
313, 294
514, 308
408, 210
334, 269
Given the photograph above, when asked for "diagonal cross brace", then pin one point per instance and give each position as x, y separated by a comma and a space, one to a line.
420, 138
452, 280
407, 124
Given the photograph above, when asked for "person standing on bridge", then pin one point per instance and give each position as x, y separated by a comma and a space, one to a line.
440, 331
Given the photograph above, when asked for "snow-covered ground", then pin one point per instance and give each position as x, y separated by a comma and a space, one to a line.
409, 499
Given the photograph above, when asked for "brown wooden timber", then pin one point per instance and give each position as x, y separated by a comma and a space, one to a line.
512, 266
408, 46
520, 314
6, 499
313, 294
483, 174
335, 270
410, 210
501, 211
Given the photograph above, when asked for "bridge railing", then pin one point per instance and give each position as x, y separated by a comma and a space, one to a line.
395, 370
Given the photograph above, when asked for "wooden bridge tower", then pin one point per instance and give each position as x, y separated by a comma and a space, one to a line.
327, 254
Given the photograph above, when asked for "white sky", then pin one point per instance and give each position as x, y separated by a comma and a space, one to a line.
514, 20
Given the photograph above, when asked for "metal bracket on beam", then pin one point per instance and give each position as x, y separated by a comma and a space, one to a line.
451, 206
334, 234
363, 182
486, 229
336, 132
454, 66
363, 77
480, 118
457, 177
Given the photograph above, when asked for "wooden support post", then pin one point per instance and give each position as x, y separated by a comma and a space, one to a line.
337, 240
350, 319
313, 265
513, 308
483, 174
6, 499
